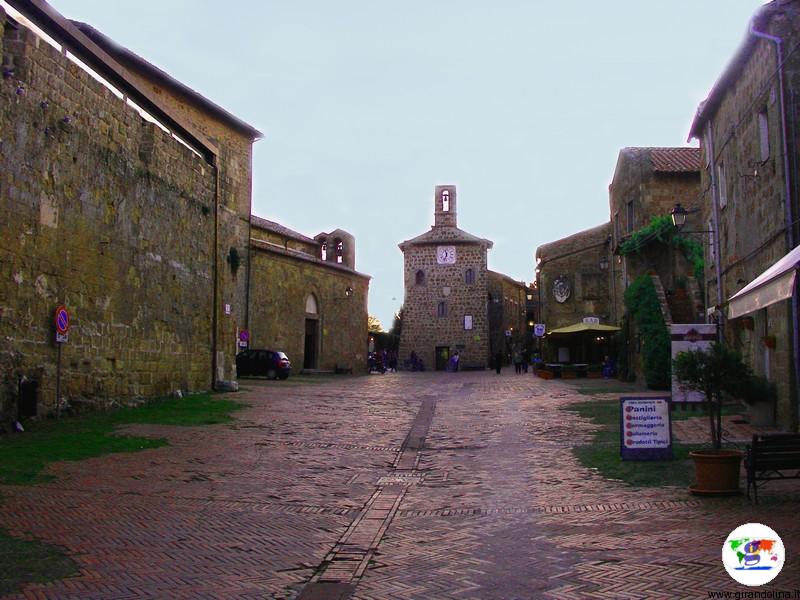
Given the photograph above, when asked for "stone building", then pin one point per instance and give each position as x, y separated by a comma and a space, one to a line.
573, 284
647, 183
125, 197
508, 329
747, 128
306, 298
446, 291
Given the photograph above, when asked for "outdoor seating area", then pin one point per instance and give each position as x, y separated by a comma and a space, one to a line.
572, 371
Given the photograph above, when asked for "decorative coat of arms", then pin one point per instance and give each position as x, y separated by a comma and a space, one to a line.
561, 289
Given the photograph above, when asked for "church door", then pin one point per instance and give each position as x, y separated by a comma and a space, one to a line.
311, 345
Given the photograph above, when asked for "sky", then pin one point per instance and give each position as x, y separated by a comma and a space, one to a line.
366, 105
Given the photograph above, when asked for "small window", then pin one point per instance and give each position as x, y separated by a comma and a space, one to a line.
446, 201
722, 186
469, 276
339, 251
420, 277
324, 251
441, 309
763, 134
630, 216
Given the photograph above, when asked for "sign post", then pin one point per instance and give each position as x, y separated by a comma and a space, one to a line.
645, 428
62, 327
694, 336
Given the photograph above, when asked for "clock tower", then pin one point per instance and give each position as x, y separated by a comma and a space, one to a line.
445, 308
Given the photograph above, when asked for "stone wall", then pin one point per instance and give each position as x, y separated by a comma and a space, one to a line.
576, 260
423, 328
281, 282
507, 313
89, 194
753, 218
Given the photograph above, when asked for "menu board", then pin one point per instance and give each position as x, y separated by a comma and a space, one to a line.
645, 428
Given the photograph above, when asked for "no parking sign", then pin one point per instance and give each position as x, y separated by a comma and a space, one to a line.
62, 324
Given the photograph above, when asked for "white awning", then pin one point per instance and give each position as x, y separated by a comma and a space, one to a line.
773, 285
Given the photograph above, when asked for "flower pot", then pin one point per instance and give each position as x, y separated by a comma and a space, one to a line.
717, 472
542, 374
569, 375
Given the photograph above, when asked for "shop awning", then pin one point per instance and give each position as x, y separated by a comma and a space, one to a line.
773, 285
581, 327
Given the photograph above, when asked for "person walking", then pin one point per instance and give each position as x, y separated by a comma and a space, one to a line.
517, 362
498, 362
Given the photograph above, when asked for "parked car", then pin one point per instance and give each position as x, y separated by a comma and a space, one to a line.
268, 363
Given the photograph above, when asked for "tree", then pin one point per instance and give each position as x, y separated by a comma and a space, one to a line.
397, 323
374, 324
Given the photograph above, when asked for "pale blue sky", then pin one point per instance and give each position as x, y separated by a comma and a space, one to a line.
367, 105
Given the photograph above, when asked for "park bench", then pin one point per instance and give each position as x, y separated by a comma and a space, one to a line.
770, 457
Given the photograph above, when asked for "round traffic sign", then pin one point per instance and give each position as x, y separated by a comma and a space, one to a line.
62, 319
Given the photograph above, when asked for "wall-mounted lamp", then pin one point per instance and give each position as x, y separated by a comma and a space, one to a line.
603, 262
348, 291
678, 214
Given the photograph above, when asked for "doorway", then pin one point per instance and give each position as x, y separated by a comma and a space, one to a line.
310, 358
442, 356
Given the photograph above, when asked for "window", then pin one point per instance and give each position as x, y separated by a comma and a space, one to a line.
324, 251
441, 309
420, 277
339, 251
763, 134
722, 186
446, 201
629, 215
469, 276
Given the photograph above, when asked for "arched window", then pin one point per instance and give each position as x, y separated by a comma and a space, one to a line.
441, 309
420, 277
446, 201
469, 276
324, 251
311, 304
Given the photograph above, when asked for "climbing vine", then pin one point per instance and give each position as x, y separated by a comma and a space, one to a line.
644, 309
661, 230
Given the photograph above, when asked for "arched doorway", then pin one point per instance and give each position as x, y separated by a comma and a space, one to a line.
311, 344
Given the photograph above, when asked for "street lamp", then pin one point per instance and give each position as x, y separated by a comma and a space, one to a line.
603, 262
678, 214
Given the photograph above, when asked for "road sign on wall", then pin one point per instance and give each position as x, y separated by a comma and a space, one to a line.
62, 324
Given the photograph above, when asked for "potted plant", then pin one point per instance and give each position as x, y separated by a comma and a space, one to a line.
714, 372
760, 395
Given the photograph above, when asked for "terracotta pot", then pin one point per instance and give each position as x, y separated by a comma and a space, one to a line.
717, 472
544, 374
569, 375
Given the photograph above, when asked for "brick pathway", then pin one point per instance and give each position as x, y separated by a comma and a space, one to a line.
396, 486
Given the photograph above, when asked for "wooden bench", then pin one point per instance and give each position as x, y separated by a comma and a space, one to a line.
772, 456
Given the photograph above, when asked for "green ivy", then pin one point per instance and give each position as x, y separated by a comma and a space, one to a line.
661, 230
644, 309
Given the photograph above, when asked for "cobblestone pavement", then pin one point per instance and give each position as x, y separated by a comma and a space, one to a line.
404, 485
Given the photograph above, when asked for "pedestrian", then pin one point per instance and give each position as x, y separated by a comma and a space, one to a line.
517, 362
498, 362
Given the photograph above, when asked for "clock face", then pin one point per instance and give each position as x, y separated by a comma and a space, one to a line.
446, 255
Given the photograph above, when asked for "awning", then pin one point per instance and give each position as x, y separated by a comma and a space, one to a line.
581, 327
773, 285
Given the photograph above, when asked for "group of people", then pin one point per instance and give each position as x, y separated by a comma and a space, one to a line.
382, 361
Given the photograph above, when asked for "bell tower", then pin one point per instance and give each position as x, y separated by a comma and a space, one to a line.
445, 206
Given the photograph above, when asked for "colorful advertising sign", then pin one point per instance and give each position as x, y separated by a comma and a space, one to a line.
645, 428
693, 336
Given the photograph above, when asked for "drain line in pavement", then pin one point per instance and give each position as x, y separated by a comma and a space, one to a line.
345, 564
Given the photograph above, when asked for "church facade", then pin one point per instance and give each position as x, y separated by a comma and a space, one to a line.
446, 291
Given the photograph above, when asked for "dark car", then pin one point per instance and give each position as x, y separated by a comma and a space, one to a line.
267, 363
